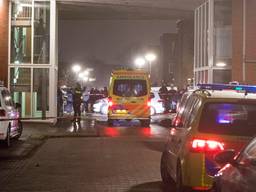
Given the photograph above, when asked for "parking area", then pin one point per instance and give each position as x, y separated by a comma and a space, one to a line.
118, 158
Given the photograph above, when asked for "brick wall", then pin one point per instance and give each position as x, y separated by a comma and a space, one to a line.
250, 44
250, 55
185, 53
237, 40
4, 9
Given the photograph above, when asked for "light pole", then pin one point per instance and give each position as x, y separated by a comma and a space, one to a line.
150, 57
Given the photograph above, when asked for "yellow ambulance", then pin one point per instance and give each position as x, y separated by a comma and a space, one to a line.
129, 96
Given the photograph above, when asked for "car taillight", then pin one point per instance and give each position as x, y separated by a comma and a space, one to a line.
149, 103
110, 102
200, 145
2, 113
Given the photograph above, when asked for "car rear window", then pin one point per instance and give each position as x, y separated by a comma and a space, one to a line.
229, 118
130, 87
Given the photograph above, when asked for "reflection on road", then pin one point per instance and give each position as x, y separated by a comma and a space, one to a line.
95, 127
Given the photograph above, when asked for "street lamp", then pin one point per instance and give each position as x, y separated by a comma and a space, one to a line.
139, 62
86, 73
76, 68
81, 75
85, 78
92, 79
150, 57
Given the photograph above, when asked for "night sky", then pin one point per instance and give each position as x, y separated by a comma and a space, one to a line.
99, 43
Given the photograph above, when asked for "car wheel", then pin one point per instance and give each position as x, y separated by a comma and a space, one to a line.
179, 184
145, 123
168, 182
20, 129
8, 136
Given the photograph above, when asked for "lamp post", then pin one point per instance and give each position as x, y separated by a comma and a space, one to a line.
150, 57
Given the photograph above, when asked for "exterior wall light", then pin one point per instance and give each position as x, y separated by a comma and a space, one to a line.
221, 64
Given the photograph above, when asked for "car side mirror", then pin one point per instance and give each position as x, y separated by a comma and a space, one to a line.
225, 157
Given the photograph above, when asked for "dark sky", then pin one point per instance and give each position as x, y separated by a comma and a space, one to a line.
108, 41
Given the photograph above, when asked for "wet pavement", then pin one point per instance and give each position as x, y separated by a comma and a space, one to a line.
92, 125
87, 157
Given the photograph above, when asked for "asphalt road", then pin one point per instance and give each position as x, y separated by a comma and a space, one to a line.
92, 157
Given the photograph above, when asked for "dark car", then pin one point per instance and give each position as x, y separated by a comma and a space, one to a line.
238, 173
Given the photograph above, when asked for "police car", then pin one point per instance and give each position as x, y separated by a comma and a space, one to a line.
209, 120
10, 126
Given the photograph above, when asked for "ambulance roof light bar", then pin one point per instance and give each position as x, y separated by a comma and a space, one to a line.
220, 87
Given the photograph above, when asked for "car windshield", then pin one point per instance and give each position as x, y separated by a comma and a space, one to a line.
130, 87
7, 98
229, 118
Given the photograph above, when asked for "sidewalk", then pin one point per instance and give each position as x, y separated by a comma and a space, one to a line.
62, 128
35, 134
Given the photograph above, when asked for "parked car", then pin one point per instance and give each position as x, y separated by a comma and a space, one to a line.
239, 171
9, 129
157, 104
208, 121
101, 106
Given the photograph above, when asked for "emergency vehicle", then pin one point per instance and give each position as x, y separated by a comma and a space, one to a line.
129, 96
210, 119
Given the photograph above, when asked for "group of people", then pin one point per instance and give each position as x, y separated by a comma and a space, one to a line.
82, 100
170, 97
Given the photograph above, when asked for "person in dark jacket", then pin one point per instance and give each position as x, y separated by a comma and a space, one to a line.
77, 100
163, 91
59, 102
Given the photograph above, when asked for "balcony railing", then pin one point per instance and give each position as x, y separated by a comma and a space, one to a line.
22, 12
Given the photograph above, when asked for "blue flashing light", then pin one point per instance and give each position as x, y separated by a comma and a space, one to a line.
220, 87
224, 121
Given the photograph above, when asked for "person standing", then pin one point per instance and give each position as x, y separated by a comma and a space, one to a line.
77, 101
163, 91
59, 102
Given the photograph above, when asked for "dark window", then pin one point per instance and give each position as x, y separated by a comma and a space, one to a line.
130, 87
229, 118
